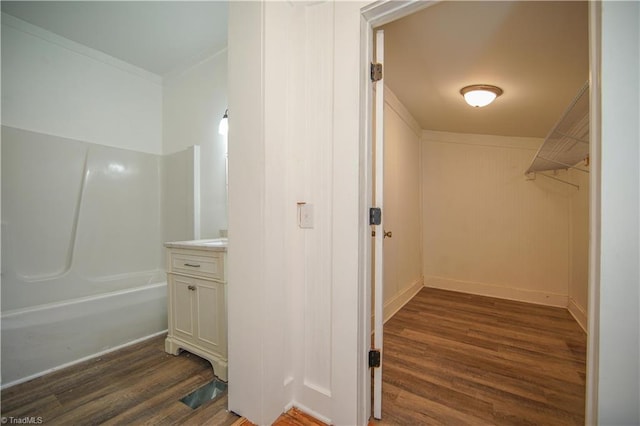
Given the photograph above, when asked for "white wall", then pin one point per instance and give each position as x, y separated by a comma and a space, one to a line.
402, 206
294, 76
54, 86
488, 230
247, 334
619, 277
194, 101
178, 194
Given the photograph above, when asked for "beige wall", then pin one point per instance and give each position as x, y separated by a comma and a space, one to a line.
488, 230
579, 247
497, 233
402, 252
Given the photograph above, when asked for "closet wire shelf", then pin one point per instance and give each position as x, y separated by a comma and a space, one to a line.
567, 144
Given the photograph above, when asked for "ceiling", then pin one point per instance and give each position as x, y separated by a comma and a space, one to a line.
158, 36
537, 52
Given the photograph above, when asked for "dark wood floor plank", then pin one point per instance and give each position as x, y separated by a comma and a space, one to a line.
430, 389
429, 411
139, 384
110, 399
147, 408
468, 380
213, 413
293, 417
46, 404
455, 358
64, 381
454, 353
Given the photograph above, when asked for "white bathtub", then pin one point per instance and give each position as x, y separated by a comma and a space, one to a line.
82, 252
42, 339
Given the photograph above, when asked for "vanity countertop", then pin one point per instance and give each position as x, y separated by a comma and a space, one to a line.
215, 244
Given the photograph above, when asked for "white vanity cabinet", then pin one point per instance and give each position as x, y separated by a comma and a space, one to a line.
197, 299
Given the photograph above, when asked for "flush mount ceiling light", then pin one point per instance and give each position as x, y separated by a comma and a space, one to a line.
479, 95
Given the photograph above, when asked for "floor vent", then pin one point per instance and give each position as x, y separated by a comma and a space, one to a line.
208, 392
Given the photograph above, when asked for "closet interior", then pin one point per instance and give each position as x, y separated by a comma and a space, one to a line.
462, 215
567, 144
462, 198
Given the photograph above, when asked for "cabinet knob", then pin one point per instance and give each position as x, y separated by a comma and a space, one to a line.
388, 234
192, 265
192, 287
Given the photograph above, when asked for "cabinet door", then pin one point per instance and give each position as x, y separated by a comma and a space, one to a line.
211, 316
182, 289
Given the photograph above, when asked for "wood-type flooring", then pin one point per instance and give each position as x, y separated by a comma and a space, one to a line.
459, 359
293, 417
449, 359
139, 384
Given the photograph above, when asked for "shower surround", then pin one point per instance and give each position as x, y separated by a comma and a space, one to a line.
81, 251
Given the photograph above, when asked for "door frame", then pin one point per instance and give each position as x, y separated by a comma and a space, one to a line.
383, 12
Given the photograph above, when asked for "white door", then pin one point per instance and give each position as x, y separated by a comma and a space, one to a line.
378, 272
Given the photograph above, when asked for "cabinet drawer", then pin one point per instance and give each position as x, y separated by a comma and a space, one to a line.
209, 266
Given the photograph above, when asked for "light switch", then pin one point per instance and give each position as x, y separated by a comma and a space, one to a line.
305, 215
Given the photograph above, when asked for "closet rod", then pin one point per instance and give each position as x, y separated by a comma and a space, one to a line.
560, 180
562, 164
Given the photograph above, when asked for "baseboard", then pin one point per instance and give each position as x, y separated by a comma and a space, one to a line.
401, 299
578, 312
394, 305
307, 410
491, 290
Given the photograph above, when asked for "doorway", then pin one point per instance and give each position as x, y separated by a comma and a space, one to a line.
387, 16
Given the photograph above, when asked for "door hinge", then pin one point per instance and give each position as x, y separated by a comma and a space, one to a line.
376, 71
374, 358
375, 216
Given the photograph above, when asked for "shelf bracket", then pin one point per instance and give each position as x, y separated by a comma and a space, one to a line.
563, 164
532, 176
